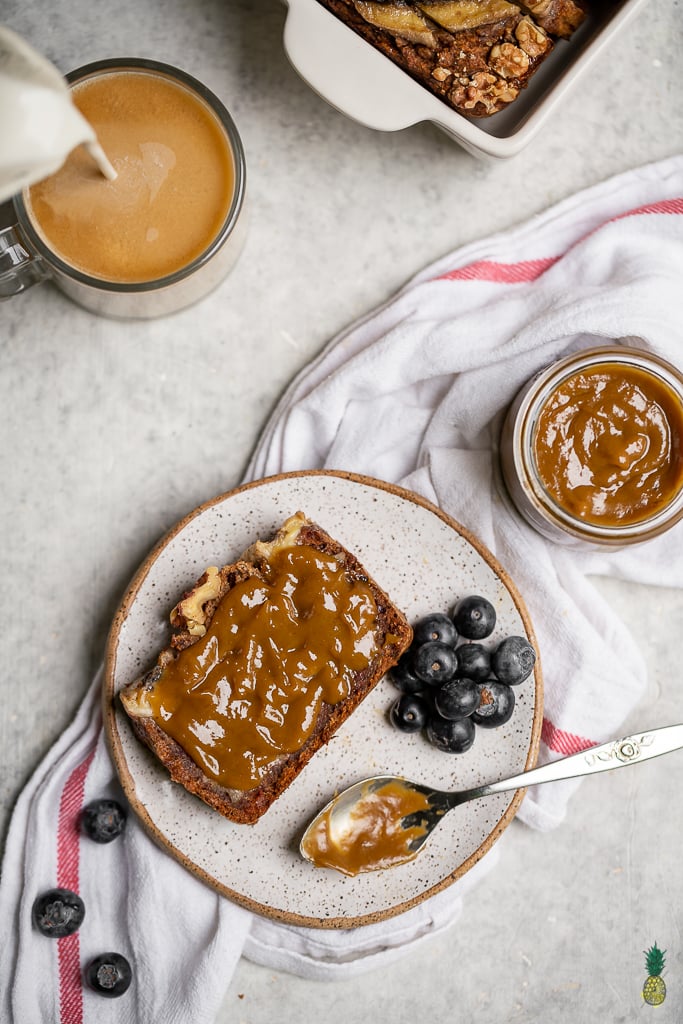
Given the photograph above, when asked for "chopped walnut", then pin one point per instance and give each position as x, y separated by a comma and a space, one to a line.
441, 74
484, 89
508, 61
531, 38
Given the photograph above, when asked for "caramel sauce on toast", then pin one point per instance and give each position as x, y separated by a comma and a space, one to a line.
279, 646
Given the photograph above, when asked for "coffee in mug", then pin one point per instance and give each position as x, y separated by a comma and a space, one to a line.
168, 228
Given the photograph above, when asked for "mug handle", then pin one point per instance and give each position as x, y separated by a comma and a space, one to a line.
19, 267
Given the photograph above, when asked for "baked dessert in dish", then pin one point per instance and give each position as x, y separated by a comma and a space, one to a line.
476, 55
268, 657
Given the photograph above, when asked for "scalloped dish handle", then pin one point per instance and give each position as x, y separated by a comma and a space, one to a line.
322, 50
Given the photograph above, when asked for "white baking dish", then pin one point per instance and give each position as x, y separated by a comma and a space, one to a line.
365, 85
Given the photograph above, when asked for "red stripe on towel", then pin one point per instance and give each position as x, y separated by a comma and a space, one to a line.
68, 851
70, 985
663, 206
503, 273
529, 270
563, 742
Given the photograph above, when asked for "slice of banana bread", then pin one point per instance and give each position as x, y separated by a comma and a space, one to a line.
268, 657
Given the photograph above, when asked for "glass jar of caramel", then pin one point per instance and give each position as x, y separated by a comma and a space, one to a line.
591, 449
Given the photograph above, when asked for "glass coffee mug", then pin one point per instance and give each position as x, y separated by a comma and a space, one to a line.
171, 225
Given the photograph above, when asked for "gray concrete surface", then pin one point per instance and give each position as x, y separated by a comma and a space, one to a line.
112, 431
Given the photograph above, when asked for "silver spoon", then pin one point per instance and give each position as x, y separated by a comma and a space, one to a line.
348, 844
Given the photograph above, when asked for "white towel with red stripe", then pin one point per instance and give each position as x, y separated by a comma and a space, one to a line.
412, 394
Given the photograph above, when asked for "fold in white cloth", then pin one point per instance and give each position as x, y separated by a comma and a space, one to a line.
412, 394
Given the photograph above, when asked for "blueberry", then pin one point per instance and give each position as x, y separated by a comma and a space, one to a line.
513, 660
58, 912
434, 663
103, 820
496, 704
403, 676
435, 627
109, 974
409, 713
474, 662
474, 618
457, 698
455, 737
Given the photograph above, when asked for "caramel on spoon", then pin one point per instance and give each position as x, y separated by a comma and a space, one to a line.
386, 820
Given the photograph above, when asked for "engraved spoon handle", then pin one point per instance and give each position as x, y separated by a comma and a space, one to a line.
615, 754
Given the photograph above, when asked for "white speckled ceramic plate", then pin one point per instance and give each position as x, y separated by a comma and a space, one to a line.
426, 562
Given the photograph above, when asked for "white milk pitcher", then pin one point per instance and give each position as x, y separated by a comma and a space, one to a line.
39, 123
39, 126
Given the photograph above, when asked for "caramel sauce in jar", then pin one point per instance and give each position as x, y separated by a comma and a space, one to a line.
371, 836
591, 447
278, 647
608, 444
